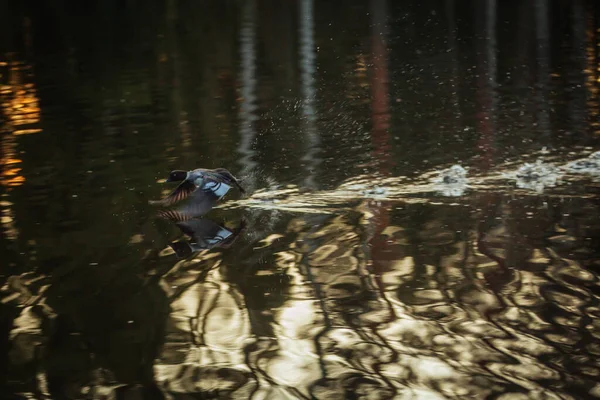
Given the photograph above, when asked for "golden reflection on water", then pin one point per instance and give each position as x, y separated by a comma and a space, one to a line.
492, 293
7, 219
19, 105
453, 310
21, 111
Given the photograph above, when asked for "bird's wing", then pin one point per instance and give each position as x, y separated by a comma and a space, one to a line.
181, 192
174, 215
227, 177
200, 202
215, 185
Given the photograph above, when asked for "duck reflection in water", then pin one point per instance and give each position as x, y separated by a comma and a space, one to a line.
203, 233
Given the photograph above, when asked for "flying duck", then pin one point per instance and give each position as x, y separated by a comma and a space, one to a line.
215, 182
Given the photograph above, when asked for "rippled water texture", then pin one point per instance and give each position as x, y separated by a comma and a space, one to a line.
422, 218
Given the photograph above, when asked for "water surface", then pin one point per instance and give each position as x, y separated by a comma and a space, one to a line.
353, 273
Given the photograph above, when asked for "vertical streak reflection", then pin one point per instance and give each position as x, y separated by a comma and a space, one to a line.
307, 76
380, 109
487, 85
543, 70
307, 65
453, 50
172, 17
380, 104
592, 71
577, 103
247, 111
380, 121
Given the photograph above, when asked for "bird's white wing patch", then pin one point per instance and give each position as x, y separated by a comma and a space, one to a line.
219, 189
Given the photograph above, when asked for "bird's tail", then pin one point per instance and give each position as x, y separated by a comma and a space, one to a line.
240, 188
227, 175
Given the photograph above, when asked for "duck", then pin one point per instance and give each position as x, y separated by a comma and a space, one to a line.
215, 182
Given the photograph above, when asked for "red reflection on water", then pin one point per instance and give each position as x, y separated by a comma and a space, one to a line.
486, 61
380, 102
380, 136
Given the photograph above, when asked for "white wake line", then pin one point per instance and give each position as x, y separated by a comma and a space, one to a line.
404, 190
336, 201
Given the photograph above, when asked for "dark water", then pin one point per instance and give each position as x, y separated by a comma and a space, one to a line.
352, 275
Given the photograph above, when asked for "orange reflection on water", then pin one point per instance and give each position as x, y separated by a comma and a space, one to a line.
19, 104
9, 175
26, 131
